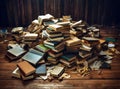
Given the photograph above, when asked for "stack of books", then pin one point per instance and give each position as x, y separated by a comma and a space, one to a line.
73, 44
85, 51
65, 28
79, 28
35, 27
24, 70
30, 37
68, 59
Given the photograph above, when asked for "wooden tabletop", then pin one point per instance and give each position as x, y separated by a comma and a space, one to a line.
102, 79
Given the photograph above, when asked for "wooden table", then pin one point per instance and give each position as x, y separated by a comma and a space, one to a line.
107, 79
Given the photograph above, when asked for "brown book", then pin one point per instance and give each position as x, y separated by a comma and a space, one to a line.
26, 68
27, 77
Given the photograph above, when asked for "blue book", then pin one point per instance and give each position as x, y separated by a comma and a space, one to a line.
41, 69
33, 56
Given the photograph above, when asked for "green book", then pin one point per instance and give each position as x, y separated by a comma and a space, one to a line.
42, 48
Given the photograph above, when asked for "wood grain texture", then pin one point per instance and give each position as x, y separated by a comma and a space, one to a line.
22, 12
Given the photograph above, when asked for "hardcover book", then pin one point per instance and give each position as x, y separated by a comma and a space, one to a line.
68, 57
32, 57
26, 68
42, 48
57, 71
41, 69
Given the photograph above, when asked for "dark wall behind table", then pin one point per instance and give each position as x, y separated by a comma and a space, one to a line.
22, 12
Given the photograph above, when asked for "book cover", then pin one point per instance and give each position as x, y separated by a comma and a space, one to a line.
42, 48
16, 51
55, 54
57, 71
26, 68
41, 69
68, 57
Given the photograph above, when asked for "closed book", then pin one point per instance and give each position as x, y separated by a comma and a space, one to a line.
57, 71
67, 63
27, 77
84, 54
41, 69
55, 54
61, 48
51, 31
51, 59
53, 34
51, 43
59, 38
56, 27
73, 41
47, 23
30, 35
42, 48
26, 68
68, 57
64, 23
91, 60
90, 39
86, 48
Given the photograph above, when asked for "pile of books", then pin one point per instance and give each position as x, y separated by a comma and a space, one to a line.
64, 45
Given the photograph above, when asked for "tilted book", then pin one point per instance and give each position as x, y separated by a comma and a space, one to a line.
26, 68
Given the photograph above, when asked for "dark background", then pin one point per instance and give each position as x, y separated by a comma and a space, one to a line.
22, 12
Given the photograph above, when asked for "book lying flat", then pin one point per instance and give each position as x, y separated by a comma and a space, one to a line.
60, 38
56, 27
68, 57
57, 71
67, 63
33, 56
51, 31
27, 77
84, 54
73, 41
55, 54
42, 48
26, 68
51, 43
52, 35
90, 39
16, 51
41, 69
